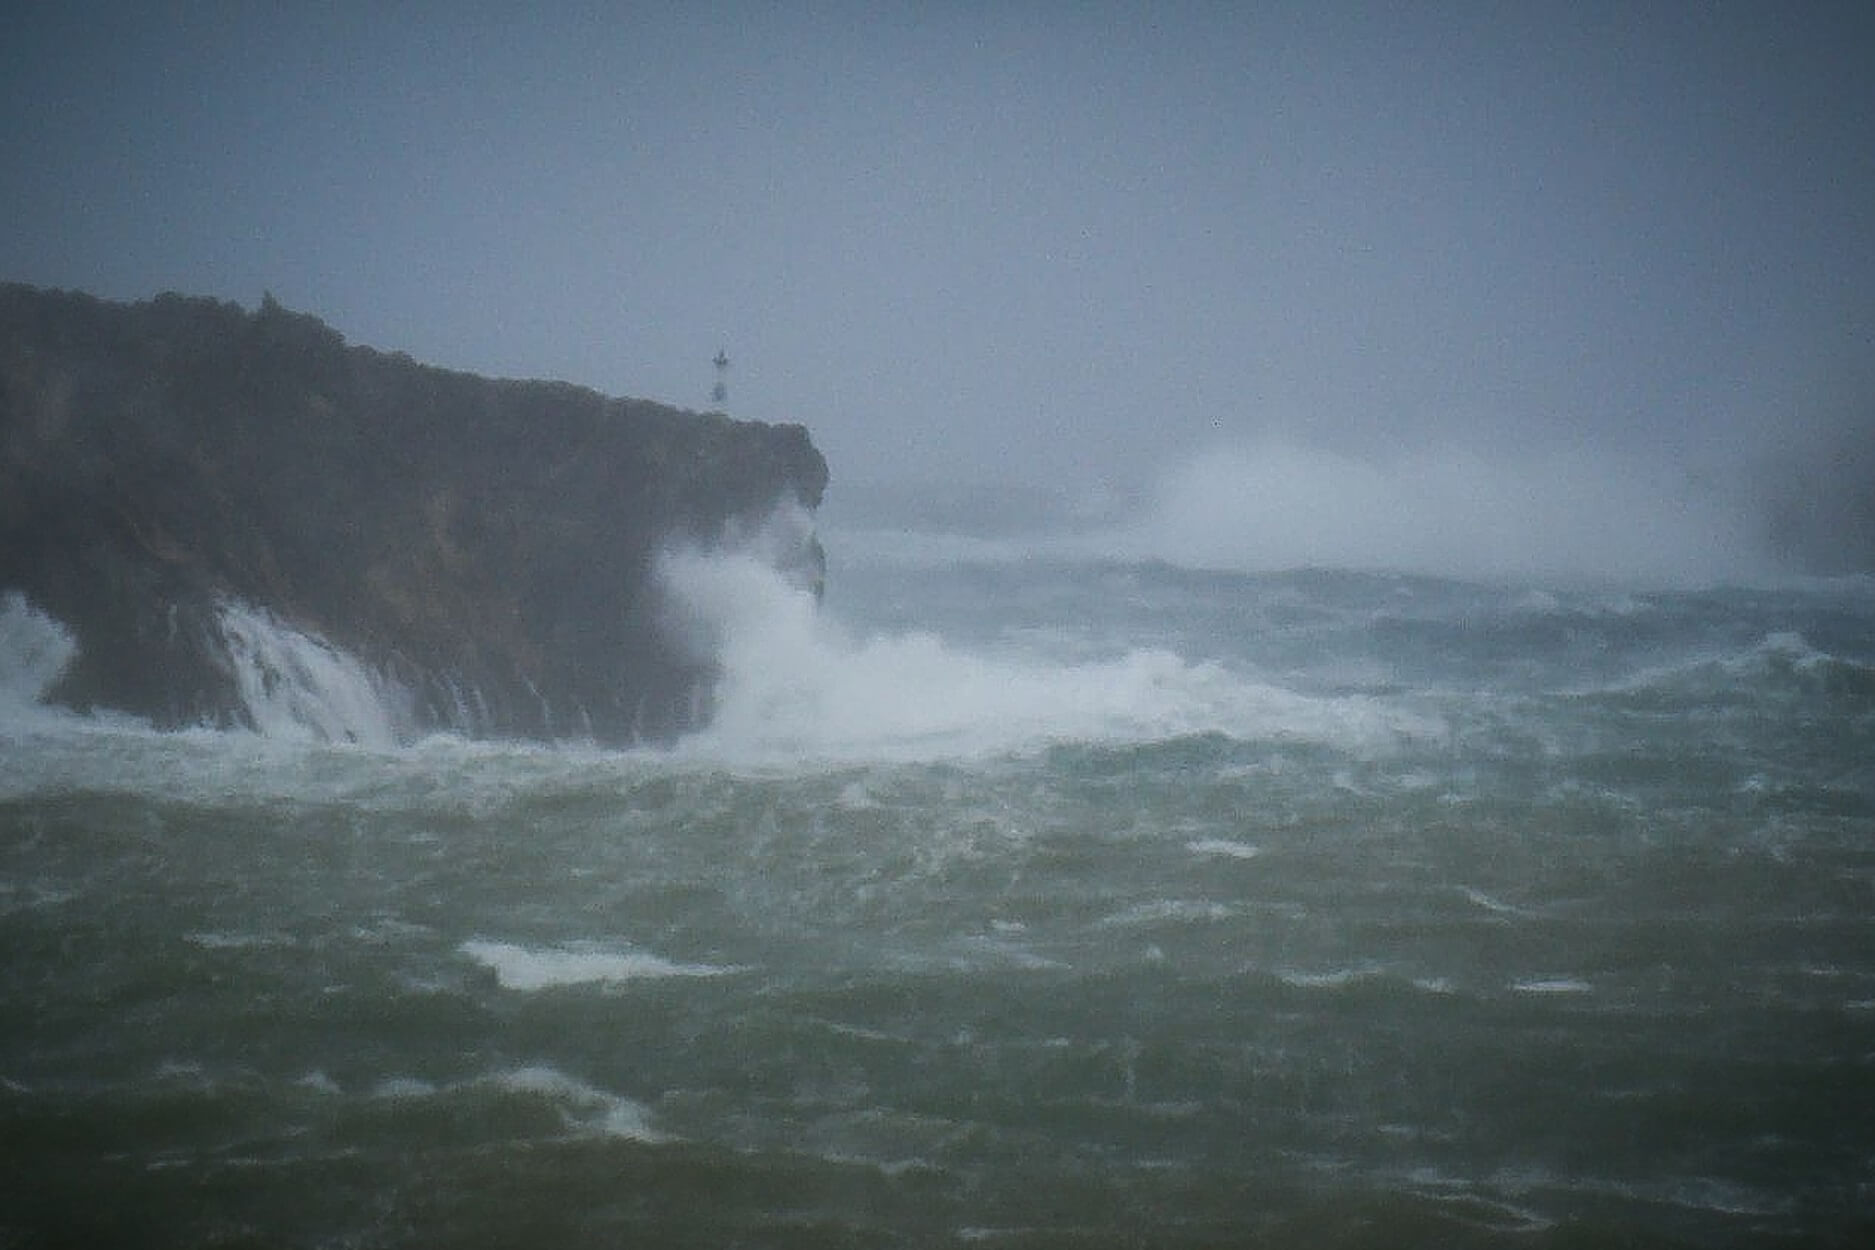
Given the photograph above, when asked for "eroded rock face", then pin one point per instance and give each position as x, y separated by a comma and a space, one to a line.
484, 547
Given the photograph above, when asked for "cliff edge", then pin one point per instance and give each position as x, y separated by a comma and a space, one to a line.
217, 504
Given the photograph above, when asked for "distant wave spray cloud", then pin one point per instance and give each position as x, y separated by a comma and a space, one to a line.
1276, 504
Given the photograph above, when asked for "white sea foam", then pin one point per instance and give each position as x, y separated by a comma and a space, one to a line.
215, 941
1552, 985
529, 968
797, 684
318, 1082
34, 650
1335, 978
1781, 654
1223, 847
855, 797
999, 950
1481, 899
1170, 911
296, 685
584, 1106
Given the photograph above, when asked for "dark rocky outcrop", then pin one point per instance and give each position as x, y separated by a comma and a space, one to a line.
487, 547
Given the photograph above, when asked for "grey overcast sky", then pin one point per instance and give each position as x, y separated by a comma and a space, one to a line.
1053, 243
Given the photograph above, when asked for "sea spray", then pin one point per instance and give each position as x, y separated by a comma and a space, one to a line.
294, 684
1277, 504
797, 682
34, 650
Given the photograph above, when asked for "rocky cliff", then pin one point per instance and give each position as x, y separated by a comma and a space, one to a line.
180, 477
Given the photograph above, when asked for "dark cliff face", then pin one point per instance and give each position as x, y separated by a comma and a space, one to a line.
487, 546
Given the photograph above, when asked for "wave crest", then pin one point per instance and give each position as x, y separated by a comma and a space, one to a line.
796, 683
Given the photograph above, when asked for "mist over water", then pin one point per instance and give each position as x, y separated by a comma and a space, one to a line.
1447, 509
1450, 511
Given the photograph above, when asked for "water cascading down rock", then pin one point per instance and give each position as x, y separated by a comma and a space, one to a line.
219, 506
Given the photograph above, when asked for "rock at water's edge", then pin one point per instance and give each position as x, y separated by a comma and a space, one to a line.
485, 545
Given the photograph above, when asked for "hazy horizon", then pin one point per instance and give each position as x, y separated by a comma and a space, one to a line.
1457, 284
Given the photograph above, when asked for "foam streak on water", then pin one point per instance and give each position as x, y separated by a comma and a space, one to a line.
528, 968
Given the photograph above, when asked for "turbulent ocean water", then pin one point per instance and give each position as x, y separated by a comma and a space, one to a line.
1014, 901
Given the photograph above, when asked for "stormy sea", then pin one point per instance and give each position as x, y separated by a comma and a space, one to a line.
1014, 899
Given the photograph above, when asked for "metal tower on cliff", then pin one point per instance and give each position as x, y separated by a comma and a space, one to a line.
719, 394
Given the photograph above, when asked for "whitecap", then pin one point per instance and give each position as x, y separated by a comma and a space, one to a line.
989, 951
1480, 898
796, 684
1552, 985
855, 797
1223, 847
526, 968
583, 1106
1334, 978
1169, 910
214, 941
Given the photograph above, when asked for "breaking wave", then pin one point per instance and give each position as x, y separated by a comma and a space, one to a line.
292, 684
296, 685
797, 683
1779, 667
34, 651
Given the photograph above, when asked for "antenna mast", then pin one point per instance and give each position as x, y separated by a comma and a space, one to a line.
719, 394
